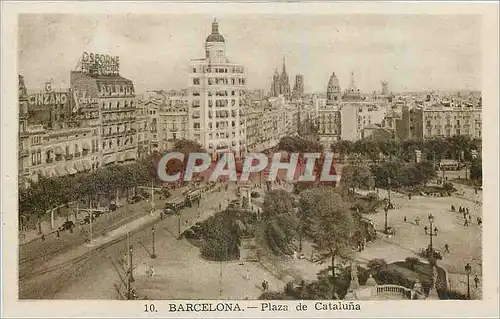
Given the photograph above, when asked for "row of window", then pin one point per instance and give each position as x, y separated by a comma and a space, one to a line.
111, 105
221, 81
109, 144
204, 69
113, 89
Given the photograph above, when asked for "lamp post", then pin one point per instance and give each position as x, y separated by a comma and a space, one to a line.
468, 270
386, 209
153, 255
431, 233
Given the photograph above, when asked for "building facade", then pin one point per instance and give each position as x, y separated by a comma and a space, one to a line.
328, 114
115, 96
217, 97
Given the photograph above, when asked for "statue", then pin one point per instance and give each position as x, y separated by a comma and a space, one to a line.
354, 277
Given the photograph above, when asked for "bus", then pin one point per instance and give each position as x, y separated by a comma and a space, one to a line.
174, 205
192, 197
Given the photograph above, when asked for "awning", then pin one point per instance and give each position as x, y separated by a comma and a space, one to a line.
71, 170
86, 146
120, 157
49, 173
109, 159
60, 171
59, 150
130, 155
86, 165
79, 166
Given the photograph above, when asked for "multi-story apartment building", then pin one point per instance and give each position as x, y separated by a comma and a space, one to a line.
143, 126
216, 92
442, 121
174, 120
55, 145
100, 79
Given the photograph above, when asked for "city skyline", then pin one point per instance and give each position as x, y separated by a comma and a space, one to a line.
375, 47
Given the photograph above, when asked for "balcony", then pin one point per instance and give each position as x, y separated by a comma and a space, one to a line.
78, 154
23, 153
68, 157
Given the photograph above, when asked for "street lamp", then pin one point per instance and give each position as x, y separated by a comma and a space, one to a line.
386, 209
468, 270
131, 277
431, 233
153, 255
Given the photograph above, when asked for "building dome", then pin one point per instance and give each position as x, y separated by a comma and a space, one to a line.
215, 36
334, 82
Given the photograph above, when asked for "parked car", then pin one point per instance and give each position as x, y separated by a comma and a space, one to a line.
67, 225
113, 206
134, 199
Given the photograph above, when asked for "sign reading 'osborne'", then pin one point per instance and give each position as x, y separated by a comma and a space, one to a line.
102, 64
301, 167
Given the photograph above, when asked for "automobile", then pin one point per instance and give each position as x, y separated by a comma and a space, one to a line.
67, 225
86, 220
113, 207
165, 194
134, 199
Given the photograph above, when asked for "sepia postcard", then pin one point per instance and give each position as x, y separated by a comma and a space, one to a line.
308, 159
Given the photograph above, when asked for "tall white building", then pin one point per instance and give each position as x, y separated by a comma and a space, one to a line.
216, 92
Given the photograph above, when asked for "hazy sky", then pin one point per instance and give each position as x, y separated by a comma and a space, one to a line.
412, 52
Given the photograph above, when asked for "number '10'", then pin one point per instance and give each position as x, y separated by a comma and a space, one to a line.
149, 308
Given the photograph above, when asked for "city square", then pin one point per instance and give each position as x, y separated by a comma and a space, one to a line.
133, 187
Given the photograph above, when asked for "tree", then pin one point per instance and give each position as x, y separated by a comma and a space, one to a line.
332, 228
476, 169
277, 202
355, 176
342, 147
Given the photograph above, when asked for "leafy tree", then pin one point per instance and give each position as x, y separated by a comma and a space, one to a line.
476, 169
221, 238
277, 202
332, 228
343, 148
355, 176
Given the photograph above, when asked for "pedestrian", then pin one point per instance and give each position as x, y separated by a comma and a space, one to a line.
435, 231
151, 271
267, 285
248, 274
404, 219
466, 222
409, 196
446, 248
264, 285
452, 208
425, 229
43, 238
417, 221
220, 206
58, 235
470, 218
465, 215
476, 280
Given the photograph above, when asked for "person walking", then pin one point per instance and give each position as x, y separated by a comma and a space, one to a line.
476, 281
466, 222
404, 219
446, 248
264, 285
58, 234
417, 221
425, 229
43, 238
470, 218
